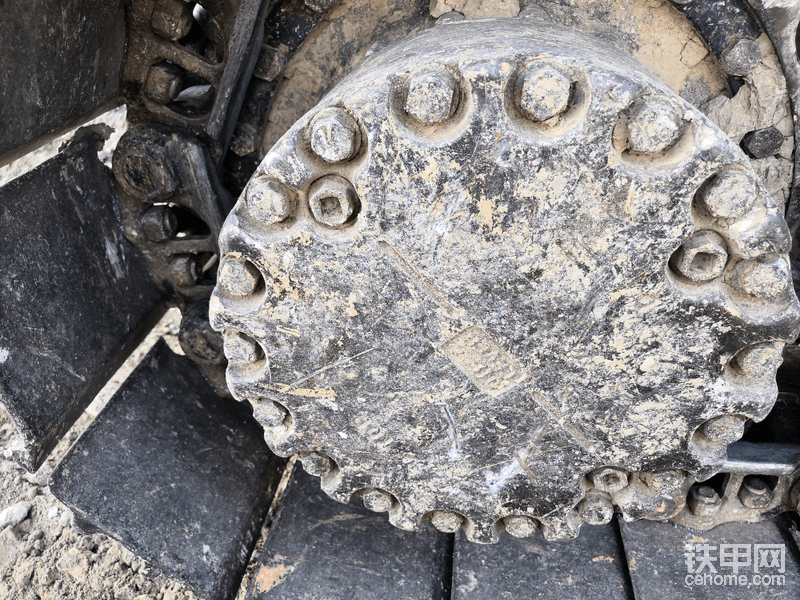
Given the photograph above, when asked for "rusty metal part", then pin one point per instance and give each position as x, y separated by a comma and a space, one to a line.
188, 65
172, 207
424, 338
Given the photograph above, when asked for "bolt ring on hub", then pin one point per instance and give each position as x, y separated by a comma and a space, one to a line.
489, 301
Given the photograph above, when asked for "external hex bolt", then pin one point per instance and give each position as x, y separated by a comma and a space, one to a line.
741, 57
197, 338
269, 201
760, 360
270, 414
596, 509
653, 125
432, 96
159, 223
334, 134
332, 200
520, 526
728, 195
164, 83
446, 521
703, 501
239, 277
764, 278
240, 349
666, 482
702, 257
245, 139
542, 92
377, 500
610, 479
724, 429
755, 493
185, 269
762, 143
317, 464
171, 19
144, 169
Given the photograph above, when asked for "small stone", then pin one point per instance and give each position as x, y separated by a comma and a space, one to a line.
75, 563
15, 514
23, 572
47, 577
52, 512
10, 548
66, 518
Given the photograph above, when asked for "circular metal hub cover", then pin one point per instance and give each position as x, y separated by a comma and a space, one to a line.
497, 259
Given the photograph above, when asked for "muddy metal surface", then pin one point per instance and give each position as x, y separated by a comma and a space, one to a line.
473, 277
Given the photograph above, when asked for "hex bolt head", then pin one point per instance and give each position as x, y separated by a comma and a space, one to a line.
741, 57
241, 349
334, 134
762, 143
377, 500
171, 19
703, 501
542, 92
724, 429
768, 278
270, 63
164, 83
332, 200
244, 140
728, 195
755, 493
269, 201
702, 257
666, 482
239, 277
197, 338
610, 479
317, 464
270, 414
185, 270
596, 509
144, 169
520, 526
432, 95
446, 521
159, 223
653, 125
759, 361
